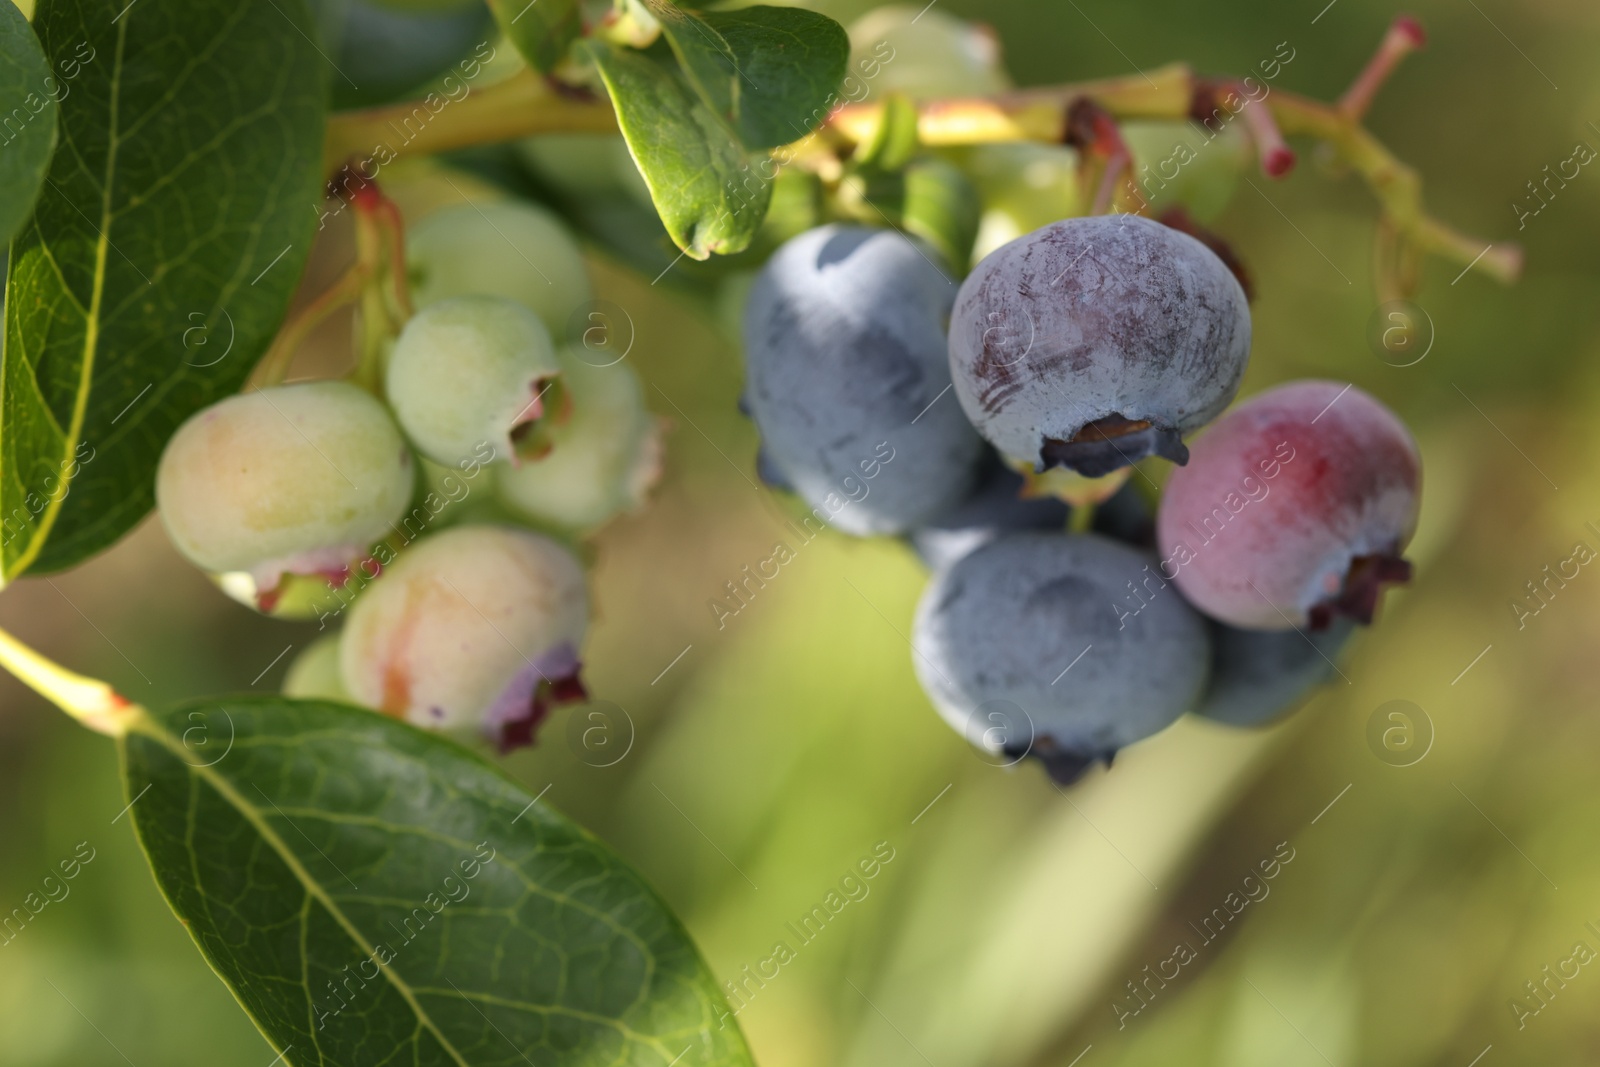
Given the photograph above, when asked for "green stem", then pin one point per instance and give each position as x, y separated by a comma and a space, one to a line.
274, 366
520, 106
376, 323
89, 700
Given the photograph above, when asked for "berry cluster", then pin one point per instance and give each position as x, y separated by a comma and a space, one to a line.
1068, 615
434, 495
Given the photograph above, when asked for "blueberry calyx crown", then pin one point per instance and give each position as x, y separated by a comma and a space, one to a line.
1111, 443
1363, 586
556, 681
1064, 765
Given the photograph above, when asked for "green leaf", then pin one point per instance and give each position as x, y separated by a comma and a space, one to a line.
376, 895
769, 72
160, 258
28, 93
710, 193
895, 141
542, 30
930, 198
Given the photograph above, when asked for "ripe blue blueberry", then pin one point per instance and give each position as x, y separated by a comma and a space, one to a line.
1035, 621
1094, 342
845, 371
995, 506
1258, 675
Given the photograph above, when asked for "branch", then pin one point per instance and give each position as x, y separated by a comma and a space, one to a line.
525, 105
1169, 93
520, 106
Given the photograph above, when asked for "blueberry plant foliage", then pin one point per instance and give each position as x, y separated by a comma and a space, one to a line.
28, 90
372, 891
159, 260
364, 886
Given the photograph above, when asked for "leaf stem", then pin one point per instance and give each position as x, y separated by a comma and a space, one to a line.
89, 700
376, 322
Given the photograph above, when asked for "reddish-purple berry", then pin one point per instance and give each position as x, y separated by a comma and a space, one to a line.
1293, 509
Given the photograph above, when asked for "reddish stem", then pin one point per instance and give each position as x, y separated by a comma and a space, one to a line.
1091, 129
1405, 36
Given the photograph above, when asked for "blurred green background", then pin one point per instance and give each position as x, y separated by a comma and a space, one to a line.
1014, 917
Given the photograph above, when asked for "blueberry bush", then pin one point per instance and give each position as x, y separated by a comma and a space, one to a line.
890, 222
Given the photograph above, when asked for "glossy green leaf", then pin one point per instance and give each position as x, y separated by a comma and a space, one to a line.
28, 92
710, 192
376, 895
768, 72
160, 258
542, 30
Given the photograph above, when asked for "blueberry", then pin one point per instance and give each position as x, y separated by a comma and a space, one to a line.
509, 248
995, 506
1094, 342
1294, 510
1041, 622
845, 371
469, 372
603, 459
1258, 675
474, 630
1128, 517
294, 479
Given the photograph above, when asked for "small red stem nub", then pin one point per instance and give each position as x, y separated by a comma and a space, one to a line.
1405, 36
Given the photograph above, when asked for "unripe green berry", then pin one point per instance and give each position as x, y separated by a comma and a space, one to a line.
314, 673
469, 370
909, 49
1022, 186
293, 479
1182, 164
474, 630
507, 248
298, 597
603, 460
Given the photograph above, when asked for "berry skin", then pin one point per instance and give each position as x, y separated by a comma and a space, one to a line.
1095, 342
475, 369
996, 506
603, 460
844, 371
1294, 509
296, 479
1004, 622
1260, 675
507, 248
475, 629
314, 673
